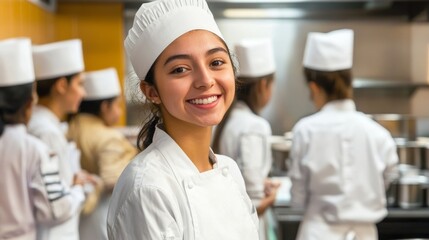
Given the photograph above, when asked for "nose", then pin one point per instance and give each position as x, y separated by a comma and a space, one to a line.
203, 78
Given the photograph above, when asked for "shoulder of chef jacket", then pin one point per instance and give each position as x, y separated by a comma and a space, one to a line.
330, 51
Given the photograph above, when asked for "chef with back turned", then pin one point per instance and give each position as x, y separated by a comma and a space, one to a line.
341, 161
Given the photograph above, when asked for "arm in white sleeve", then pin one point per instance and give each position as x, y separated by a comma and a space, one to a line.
54, 201
297, 173
147, 214
390, 156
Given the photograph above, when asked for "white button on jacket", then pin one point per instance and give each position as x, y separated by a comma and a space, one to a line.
162, 195
341, 161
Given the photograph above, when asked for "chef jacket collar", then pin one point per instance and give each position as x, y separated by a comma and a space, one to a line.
177, 159
340, 105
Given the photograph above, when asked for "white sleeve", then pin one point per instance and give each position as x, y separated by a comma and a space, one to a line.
54, 201
251, 162
297, 173
147, 214
390, 156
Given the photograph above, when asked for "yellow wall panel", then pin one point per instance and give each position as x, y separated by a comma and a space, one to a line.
98, 25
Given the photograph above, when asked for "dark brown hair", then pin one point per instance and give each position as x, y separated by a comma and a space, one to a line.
13, 100
336, 84
44, 86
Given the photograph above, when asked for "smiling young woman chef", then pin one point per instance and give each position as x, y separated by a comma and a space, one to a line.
341, 161
32, 191
244, 135
177, 188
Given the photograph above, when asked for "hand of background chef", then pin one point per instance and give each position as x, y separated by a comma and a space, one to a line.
270, 189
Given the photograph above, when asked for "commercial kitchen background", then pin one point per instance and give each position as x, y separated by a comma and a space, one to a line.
390, 55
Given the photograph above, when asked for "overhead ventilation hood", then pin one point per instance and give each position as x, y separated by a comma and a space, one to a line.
407, 10
321, 9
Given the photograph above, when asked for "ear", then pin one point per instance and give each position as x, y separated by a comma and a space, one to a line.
150, 92
61, 85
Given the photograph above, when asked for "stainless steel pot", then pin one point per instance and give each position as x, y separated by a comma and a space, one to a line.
411, 191
412, 153
400, 126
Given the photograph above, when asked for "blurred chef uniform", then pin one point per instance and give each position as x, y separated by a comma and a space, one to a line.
243, 135
105, 151
32, 190
58, 68
341, 161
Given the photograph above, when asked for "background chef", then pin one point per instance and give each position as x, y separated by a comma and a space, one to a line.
341, 161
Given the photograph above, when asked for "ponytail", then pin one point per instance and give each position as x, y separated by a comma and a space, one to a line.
145, 136
219, 129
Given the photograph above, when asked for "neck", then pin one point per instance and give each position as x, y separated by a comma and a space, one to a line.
54, 107
194, 141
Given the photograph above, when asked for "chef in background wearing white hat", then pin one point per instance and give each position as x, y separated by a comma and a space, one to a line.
58, 67
104, 150
243, 135
341, 161
31, 188
177, 188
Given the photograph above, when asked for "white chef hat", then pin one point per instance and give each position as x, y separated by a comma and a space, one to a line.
101, 84
58, 59
255, 57
16, 63
331, 51
159, 23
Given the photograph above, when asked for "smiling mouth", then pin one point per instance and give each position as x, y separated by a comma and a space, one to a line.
203, 101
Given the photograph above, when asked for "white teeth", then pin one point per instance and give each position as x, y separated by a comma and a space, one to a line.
204, 100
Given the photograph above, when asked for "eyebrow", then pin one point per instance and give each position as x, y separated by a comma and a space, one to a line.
186, 56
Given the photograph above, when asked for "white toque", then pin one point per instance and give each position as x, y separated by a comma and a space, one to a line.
58, 59
159, 23
331, 51
255, 57
101, 84
16, 63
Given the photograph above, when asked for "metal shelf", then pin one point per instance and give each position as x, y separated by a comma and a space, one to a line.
384, 86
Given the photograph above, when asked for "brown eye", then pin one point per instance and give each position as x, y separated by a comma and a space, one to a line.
178, 70
217, 63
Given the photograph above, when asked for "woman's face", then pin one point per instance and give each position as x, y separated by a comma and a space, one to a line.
111, 111
194, 80
74, 94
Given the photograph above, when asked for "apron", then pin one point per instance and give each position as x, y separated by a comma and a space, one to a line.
206, 194
314, 226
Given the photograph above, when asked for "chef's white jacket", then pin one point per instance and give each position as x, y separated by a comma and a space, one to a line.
341, 162
162, 195
32, 191
47, 127
245, 139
